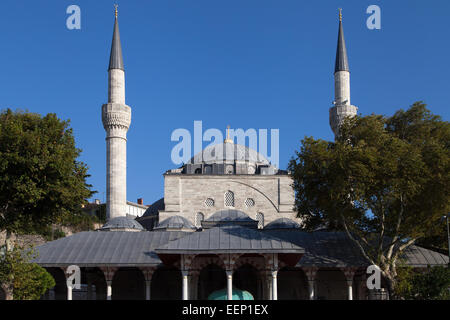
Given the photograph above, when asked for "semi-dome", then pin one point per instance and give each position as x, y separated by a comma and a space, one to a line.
230, 216
175, 223
282, 223
223, 152
122, 224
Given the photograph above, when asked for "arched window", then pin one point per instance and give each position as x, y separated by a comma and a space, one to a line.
199, 217
198, 171
260, 219
229, 199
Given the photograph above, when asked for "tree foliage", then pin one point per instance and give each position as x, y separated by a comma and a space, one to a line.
433, 284
41, 180
19, 278
385, 181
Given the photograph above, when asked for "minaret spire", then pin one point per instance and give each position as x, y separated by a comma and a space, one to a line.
342, 107
341, 52
116, 59
116, 118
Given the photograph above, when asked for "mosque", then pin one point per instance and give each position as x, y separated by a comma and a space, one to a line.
226, 227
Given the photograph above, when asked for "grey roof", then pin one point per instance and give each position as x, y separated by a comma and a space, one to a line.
321, 249
175, 222
122, 223
230, 239
116, 59
221, 152
341, 52
282, 223
96, 248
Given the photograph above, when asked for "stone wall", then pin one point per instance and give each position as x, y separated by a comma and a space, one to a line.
186, 195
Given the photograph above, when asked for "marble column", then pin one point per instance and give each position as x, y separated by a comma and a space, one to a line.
274, 285
108, 289
185, 279
229, 284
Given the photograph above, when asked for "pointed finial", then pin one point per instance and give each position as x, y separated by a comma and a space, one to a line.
340, 14
228, 140
115, 9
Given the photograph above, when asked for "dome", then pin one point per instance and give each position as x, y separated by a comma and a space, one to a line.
154, 208
282, 223
122, 224
175, 222
227, 151
229, 216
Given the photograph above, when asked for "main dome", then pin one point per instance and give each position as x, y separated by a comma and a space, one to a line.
229, 152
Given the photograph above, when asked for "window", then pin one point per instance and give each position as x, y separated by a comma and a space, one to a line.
209, 202
229, 199
199, 217
249, 202
198, 171
260, 219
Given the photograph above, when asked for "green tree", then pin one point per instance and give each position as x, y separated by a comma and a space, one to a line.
41, 180
21, 279
385, 181
433, 284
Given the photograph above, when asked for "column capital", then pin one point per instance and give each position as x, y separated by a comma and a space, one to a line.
109, 272
147, 272
310, 273
349, 273
229, 273
185, 273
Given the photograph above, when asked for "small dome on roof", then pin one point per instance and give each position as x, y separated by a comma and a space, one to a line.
229, 216
282, 223
175, 222
122, 224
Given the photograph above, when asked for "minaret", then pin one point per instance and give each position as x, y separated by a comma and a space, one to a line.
342, 107
116, 118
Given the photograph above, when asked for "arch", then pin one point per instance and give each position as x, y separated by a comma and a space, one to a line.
198, 171
199, 217
128, 284
166, 284
331, 284
260, 219
211, 278
246, 278
229, 199
292, 284
60, 288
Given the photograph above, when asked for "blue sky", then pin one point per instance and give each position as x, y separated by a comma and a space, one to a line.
247, 63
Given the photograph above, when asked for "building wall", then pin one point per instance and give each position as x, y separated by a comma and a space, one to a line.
185, 195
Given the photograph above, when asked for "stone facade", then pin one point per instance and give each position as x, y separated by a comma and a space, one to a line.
186, 195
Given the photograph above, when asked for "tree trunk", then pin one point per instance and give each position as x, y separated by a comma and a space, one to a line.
8, 290
8, 241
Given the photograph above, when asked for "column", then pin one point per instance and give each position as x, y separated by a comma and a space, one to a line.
148, 274
229, 284
274, 285
349, 274
310, 273
109, 275
108, 289
69, 292
184, 275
